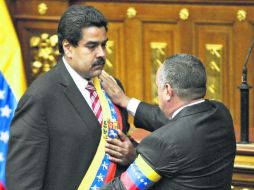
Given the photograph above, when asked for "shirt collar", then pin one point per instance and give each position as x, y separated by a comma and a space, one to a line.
187, 105
78, 79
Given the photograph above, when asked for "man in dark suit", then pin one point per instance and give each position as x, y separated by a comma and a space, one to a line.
196, 147
56, 140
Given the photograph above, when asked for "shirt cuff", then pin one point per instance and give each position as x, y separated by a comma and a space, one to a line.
132, 106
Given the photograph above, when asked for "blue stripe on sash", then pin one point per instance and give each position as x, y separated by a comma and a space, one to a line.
103, 170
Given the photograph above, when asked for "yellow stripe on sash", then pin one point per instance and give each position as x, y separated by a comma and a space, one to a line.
94, 166
146, 169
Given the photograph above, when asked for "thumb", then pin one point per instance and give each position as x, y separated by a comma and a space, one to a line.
121, 135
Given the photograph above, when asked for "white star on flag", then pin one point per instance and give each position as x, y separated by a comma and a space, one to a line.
100, 177
94, 187
112, 133
2, 94
1, 157
105, 166
4, 136
5, 111
133, 168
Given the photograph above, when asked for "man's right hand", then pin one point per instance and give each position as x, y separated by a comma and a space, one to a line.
114, 91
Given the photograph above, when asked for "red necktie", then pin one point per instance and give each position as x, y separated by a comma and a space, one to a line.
96, 106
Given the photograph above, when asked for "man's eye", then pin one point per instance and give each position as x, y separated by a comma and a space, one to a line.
104, 45
91, 46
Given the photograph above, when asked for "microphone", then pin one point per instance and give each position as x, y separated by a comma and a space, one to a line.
245, 72
244, 95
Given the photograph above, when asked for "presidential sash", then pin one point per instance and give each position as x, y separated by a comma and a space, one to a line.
101, 170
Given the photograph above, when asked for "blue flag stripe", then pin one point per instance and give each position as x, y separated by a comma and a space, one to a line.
8, 104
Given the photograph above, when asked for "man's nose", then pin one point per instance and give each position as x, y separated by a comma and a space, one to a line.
101, 51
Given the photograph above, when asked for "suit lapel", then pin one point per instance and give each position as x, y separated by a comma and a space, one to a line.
76, 99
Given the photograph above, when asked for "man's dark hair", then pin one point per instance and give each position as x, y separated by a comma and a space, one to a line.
74, 19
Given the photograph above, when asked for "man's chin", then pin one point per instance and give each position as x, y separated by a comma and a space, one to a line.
97, 72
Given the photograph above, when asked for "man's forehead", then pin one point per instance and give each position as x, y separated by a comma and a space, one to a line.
94, 34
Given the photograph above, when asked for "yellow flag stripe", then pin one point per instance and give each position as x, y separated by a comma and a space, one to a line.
93, 168
146, 169
104, 103
11, 64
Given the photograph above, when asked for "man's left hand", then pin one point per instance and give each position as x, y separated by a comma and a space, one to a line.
121, 151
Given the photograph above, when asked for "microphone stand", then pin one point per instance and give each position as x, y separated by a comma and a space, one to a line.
244, 94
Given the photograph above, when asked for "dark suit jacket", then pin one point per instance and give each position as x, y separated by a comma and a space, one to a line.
54, 135
195, 150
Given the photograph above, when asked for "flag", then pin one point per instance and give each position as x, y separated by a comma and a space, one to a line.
139, 175
12, 82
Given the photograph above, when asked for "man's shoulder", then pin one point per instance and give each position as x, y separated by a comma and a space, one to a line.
44, 85
217, 103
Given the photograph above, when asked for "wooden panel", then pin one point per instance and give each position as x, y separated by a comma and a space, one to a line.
251, 82
30, 9
27, 29
243, 177
133, 59
213, 2
116, 52
159, 40
218, 35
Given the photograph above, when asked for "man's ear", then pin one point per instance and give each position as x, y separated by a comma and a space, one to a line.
67, 47
168, 91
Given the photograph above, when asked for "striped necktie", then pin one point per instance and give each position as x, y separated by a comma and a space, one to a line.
96, 106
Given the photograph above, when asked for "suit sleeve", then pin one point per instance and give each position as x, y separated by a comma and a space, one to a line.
28, 146
149, 117
148, 168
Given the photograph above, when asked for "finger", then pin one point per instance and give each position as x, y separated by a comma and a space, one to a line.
107, 86
104, 73
105, 76
122, 136
113, 79
108, 83
117, 160
114, 143
108, 77
113, 153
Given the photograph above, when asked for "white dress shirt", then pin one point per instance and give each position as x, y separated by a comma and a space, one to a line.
80, 82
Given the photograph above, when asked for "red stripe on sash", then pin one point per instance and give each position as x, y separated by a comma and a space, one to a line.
119, 116
113, 166
1, 186
111, 173
127, 182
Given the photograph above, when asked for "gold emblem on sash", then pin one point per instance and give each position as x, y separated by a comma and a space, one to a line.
107, 125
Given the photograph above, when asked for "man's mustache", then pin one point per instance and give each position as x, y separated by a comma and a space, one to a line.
100, 61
